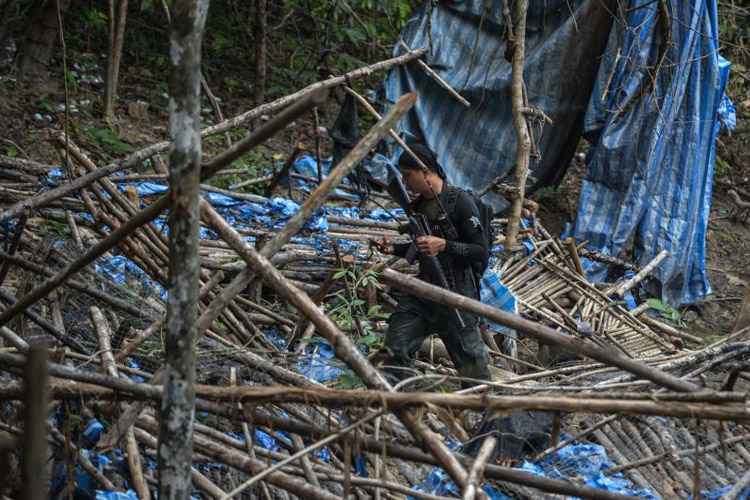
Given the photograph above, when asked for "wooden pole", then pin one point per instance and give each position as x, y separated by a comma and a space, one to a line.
627, 285
104, 334
538, 331
35, 424
523, 141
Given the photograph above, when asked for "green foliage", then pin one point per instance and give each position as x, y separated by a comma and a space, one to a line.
58, 229
95, 19
44, 104
72, 82
665, 310
106, 139
722, 167
351, 311
349, 381
256, 163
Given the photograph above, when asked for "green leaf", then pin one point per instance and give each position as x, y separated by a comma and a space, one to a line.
665, 310
349, 381
370, 340
340, 274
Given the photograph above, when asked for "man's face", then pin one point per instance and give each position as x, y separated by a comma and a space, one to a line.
416, 181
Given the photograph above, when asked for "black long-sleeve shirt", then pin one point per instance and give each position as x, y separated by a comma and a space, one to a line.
469, 245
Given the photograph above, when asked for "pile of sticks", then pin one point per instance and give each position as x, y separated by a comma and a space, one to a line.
79, 344
551, 287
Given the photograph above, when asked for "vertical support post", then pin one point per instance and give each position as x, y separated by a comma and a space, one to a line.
523, 145
175, 450
35, 424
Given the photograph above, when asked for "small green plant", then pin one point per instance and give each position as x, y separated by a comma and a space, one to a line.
44, 104
665, 311
351, 313
107, 140
59, 229
349, 381
722, 167
95, 19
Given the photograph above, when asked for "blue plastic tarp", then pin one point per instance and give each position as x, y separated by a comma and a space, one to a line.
587, 462
651, 161
466, 47
651, 166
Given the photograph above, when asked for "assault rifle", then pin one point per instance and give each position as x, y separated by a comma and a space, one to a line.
418, 226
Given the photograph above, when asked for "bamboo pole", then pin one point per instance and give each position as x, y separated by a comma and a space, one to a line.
540, 332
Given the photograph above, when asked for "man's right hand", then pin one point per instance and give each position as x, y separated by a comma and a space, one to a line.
384, 245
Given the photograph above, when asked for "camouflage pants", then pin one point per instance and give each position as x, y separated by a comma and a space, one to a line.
415, 319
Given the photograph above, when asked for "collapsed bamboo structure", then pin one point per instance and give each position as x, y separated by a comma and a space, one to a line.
288, 311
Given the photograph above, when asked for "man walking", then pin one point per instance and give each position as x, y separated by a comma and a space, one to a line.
460, 245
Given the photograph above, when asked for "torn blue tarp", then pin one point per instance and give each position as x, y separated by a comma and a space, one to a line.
651, 166
652, 155
586, 462
118, 268
54, 176
307, 166
467, 48
439, 483
91, 433
720, 493
494, 293
318, 362
116, 495
579, 462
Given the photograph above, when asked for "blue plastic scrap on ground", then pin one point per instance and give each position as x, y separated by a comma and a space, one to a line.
318, 363
494, 293
585, 462
116, 495
582, 462
719, 493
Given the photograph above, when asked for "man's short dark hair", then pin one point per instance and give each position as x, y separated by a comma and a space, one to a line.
407, 161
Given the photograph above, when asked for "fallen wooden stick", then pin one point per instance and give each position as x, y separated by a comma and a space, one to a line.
104, 334
432, 74
538, 331
152, 211
99, 388
621, 289
477, 470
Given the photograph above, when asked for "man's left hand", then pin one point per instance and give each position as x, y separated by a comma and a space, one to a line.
430, 245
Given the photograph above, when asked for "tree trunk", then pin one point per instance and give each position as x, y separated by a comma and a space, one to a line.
178, 405
523, 147
6, 7
40, 40
118, 13
261, 23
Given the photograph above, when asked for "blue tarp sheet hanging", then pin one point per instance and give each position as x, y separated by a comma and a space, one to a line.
651, 168
589, 66
467, 49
